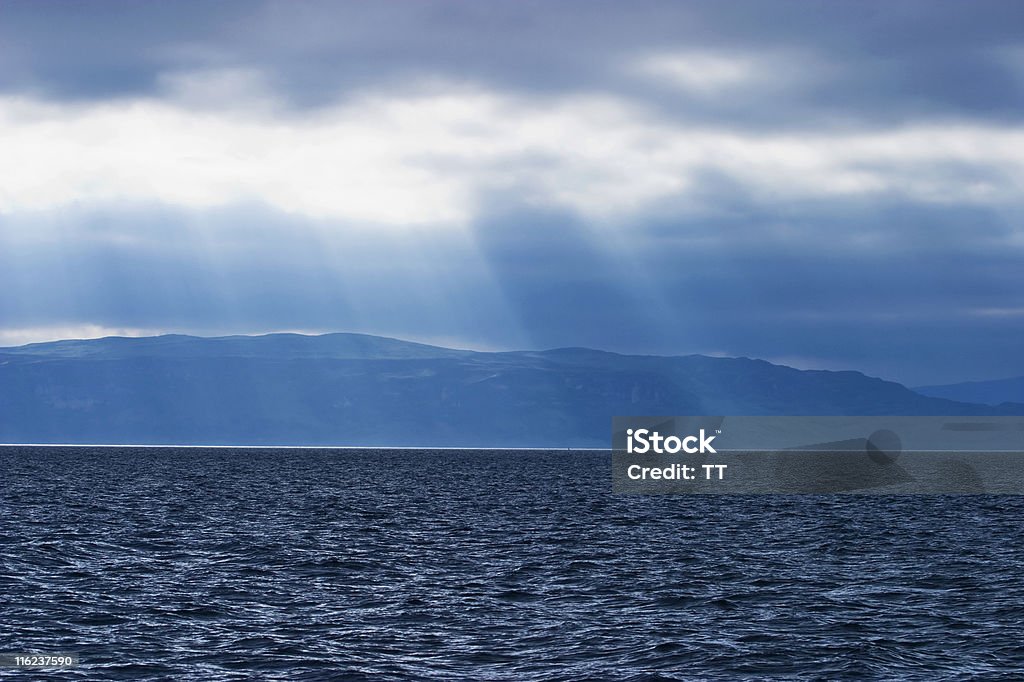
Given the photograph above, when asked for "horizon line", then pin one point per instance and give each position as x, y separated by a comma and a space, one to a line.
294, 447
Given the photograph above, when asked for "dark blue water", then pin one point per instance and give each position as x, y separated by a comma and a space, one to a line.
313, 564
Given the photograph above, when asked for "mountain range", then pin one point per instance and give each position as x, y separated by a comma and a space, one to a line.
993, 392
355, 389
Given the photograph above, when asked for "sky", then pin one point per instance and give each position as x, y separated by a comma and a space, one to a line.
830, 185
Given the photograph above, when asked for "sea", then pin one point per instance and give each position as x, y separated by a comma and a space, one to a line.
377, 564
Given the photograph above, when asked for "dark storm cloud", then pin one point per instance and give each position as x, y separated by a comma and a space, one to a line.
874, 62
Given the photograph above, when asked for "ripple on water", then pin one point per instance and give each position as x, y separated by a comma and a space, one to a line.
318, 564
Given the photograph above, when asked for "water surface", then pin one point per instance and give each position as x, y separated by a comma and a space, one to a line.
226, 564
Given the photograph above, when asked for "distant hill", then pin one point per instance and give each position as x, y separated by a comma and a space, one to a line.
353, 389
993, 392
271, 346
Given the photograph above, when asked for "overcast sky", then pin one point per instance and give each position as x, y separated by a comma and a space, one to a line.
828, 184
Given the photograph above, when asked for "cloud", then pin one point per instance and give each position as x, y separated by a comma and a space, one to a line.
23, 335
917, 59
703, 74
427, 156
840, 183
